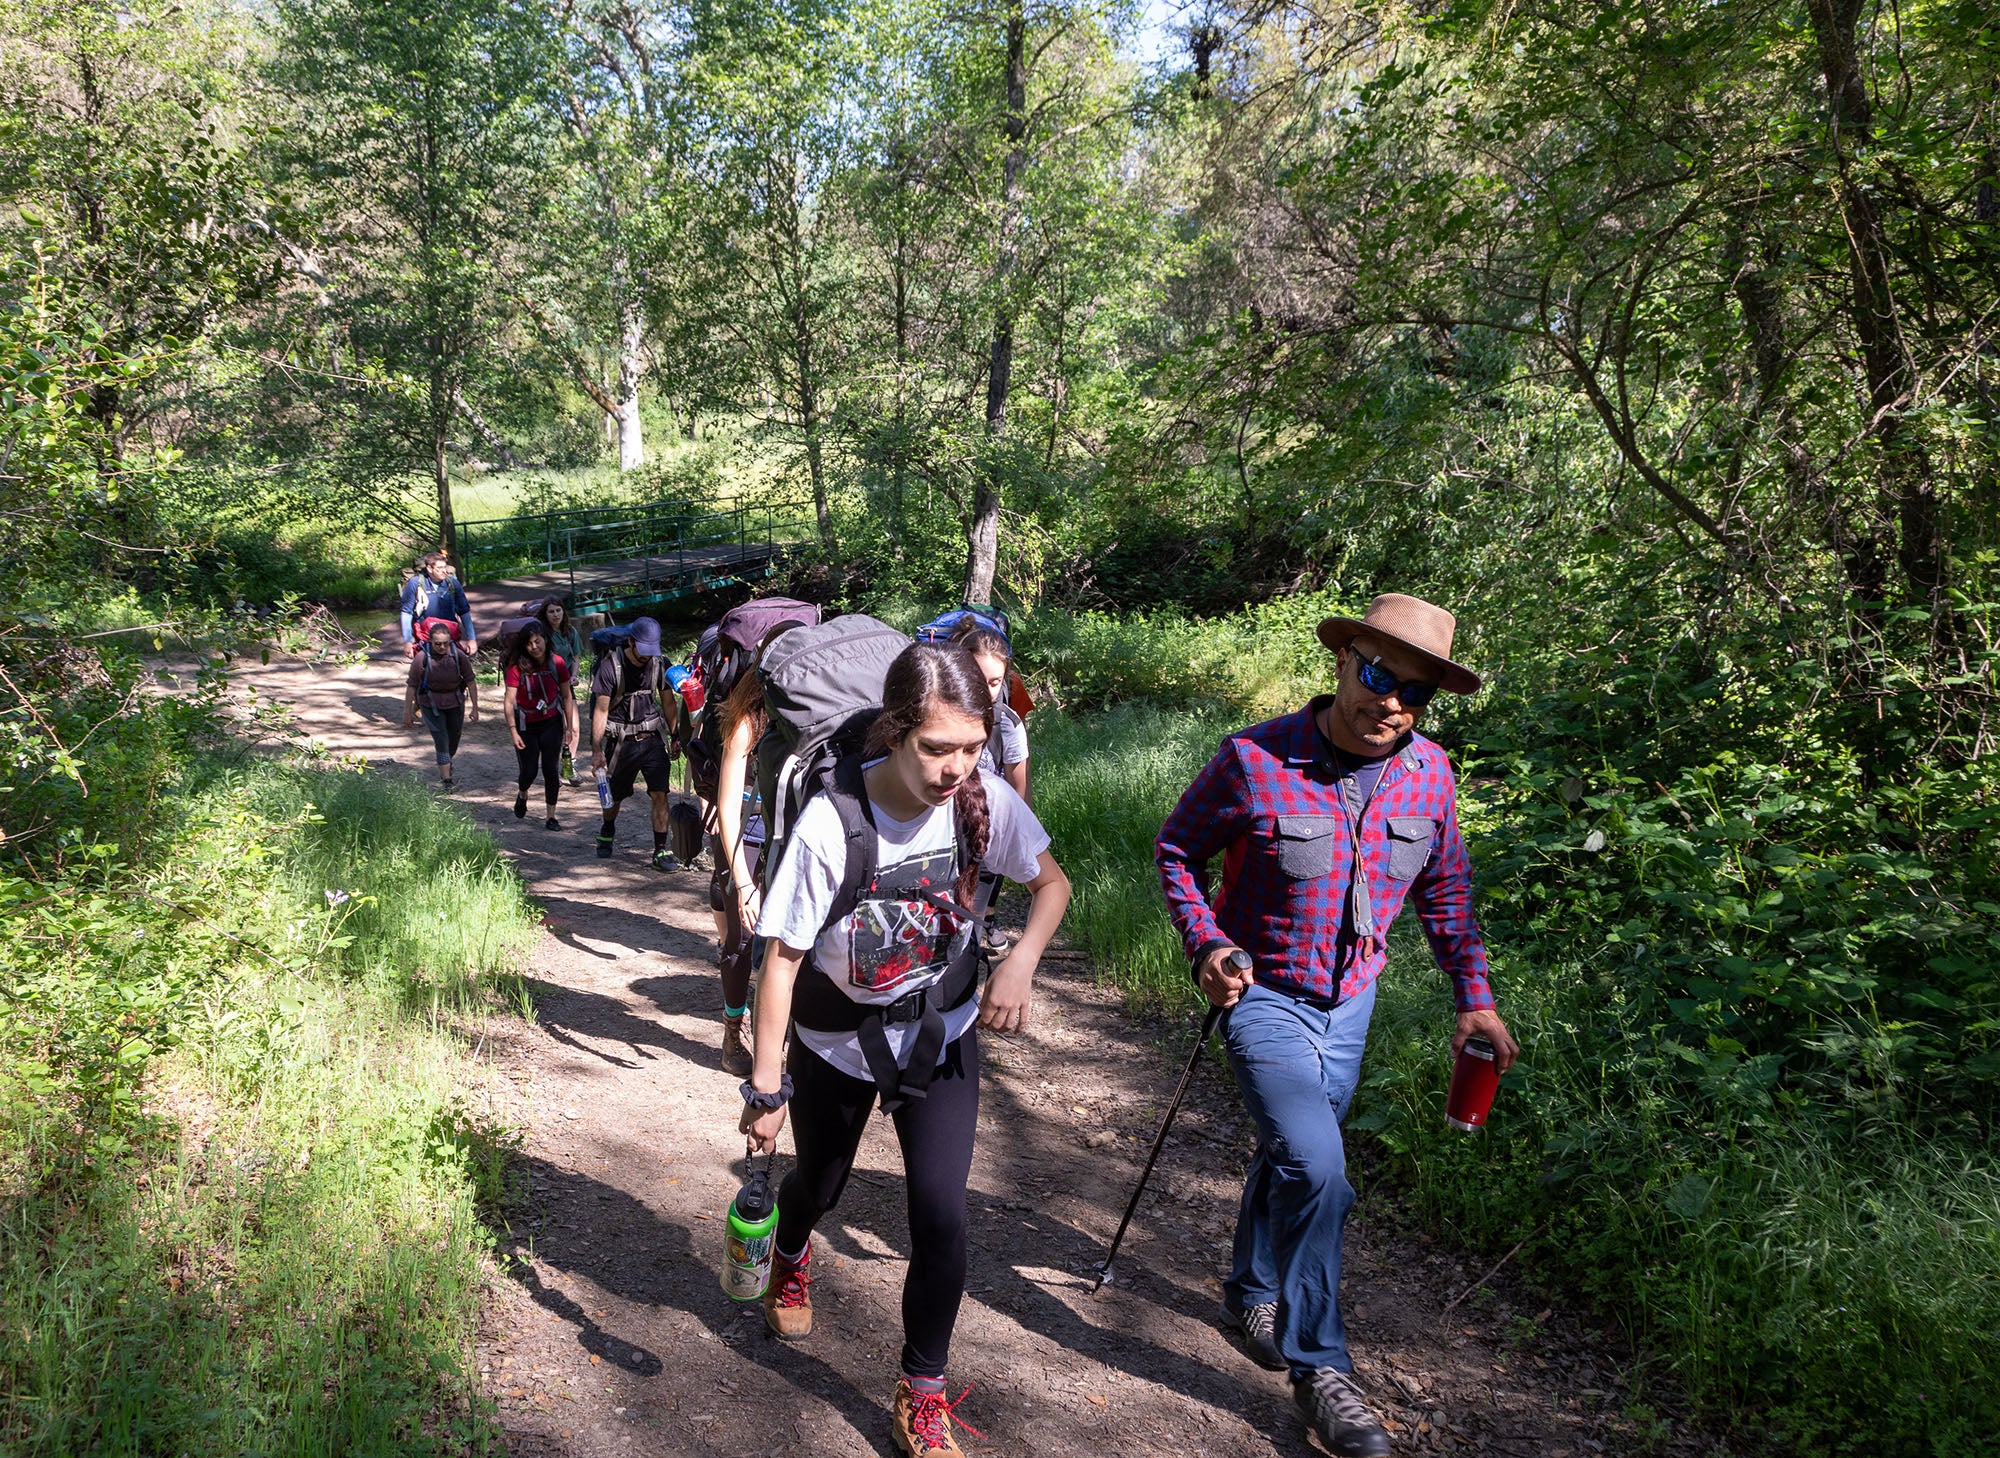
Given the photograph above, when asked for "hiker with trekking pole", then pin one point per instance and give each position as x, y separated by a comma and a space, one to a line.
881, 823
630, 731
432, 597
1326, 820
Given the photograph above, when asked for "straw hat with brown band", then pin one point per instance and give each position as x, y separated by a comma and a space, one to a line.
1408, 622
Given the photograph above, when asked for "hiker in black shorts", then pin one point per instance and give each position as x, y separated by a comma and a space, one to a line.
631, 723
898, 967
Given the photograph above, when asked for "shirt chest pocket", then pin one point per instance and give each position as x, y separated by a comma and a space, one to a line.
1305, 845
1409, 844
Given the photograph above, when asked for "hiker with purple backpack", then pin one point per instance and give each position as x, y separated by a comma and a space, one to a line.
733, 724
881, 823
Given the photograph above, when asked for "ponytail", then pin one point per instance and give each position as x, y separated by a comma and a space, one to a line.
923, 676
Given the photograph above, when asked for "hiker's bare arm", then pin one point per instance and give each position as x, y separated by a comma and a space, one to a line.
507, 702
600, 713
730, 779
472, 699
409, 704
773, 1016
569, 719
1016, 775
1009, 991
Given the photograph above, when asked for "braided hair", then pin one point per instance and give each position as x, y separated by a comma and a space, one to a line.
923, 676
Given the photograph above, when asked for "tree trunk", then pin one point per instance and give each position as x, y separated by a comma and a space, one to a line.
982, 533
1907, 487
441, 474
631, 365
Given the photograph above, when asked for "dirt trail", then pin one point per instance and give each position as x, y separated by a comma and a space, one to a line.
605, 1331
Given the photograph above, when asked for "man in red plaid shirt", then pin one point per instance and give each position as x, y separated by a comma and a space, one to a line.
1326, 820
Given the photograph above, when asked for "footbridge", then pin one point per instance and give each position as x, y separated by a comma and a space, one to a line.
611, 559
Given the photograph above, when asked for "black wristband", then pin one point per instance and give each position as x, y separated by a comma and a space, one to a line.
1201, 955
765, 1102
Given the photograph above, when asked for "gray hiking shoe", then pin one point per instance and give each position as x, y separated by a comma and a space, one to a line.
1258, 1326
1332, 1402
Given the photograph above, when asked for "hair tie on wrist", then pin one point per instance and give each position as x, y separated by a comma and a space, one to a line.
765, 1102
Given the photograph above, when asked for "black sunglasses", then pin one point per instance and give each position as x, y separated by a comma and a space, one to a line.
1414, 693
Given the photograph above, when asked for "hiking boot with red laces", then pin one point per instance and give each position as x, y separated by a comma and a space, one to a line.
735, 1052
923, 1419
788, 1303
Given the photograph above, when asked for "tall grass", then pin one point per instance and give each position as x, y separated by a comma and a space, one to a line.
240, 1162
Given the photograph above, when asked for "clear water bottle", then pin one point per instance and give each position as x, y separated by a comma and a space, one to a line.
604, 788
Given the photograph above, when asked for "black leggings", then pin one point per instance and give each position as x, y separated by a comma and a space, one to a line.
541, 751
829, 1111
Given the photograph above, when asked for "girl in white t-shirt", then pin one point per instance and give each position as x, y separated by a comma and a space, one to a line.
896, 966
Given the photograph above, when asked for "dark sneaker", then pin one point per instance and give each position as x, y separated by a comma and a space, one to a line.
663, 860
552, 824
1332, 1402
997, 941
1258, 1326
604, 845
735, 1052
788, 1302
921, 1421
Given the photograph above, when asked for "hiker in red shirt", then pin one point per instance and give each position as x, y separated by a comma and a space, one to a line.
541, 717
1327, 819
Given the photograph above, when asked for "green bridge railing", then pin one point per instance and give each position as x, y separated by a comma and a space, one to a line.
667, 549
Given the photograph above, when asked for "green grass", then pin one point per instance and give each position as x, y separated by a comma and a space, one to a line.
242, 1162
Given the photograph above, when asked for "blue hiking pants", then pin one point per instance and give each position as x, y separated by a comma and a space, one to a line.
1297, 1066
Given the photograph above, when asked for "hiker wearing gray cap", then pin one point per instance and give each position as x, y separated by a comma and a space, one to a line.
1326, 821
631, 716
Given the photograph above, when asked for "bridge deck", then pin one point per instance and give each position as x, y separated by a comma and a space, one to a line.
631, 582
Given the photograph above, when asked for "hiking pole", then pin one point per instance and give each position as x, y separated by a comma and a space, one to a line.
1239, 961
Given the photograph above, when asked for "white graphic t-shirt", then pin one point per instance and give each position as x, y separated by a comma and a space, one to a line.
893, 943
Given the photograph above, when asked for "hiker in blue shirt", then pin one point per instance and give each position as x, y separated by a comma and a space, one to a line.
433, 595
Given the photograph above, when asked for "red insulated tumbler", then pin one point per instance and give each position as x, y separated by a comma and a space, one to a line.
1475, 1078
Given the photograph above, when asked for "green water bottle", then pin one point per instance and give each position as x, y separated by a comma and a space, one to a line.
750, 1236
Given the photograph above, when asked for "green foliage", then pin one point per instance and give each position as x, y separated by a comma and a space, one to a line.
238, 1173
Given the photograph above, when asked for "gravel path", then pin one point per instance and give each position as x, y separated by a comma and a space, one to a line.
605, 1332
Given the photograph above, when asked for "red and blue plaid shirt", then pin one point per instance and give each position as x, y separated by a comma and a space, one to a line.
1268, 803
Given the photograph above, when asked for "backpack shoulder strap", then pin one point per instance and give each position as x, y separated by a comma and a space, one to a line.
843, 787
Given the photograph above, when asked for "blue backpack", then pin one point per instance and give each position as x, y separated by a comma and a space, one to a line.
944, 626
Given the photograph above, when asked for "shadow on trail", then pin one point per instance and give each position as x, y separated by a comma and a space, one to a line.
599, 1233
570, 1016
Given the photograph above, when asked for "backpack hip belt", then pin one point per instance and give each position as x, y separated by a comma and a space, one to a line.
820, 1007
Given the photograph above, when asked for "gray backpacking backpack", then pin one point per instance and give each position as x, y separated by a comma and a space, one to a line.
822, 689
